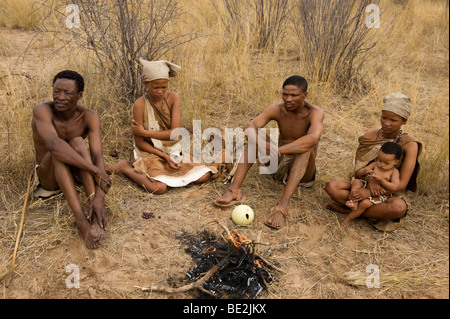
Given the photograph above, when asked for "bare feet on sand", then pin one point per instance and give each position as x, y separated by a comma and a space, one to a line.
230, 198
276, 218
93, 234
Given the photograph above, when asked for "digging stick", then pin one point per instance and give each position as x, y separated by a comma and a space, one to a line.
19, 234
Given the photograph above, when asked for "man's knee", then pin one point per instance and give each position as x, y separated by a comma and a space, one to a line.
78, 144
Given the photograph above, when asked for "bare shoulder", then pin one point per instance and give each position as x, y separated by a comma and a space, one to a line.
275, 110
315, 108
172, 98
42, 107
272, 112
373, 134
47, 104
315, 111
90, 114
172, 95
411, 148
139, 103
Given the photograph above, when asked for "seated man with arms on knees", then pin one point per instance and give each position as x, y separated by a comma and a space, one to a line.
301, 125
60, 128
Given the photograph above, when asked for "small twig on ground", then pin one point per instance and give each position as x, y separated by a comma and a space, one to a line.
195, 285
268, 263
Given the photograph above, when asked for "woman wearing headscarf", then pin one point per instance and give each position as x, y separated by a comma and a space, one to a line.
390, 214
157, 162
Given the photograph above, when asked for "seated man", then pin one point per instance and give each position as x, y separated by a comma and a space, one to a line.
300, 125
63, 158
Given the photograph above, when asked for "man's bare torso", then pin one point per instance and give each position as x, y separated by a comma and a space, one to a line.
294, 125
75, 125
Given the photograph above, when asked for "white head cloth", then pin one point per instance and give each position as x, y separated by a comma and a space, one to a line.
399, 104
158, 70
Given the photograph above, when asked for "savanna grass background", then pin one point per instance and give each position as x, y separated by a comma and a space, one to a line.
233, 65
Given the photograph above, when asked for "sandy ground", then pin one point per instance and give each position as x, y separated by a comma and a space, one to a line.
314, 252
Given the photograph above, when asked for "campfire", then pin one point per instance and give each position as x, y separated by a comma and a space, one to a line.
226, 267
242, 274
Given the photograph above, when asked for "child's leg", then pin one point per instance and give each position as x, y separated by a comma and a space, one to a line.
356, 184
355, 213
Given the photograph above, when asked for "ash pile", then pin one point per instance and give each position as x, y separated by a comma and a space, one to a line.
240, 274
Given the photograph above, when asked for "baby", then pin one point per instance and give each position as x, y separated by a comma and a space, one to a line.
383, 171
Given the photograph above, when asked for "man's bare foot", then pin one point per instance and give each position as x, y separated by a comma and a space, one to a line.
84, 229
230, 198
117, 168
338, 208
97, 233
92, 234
276, 218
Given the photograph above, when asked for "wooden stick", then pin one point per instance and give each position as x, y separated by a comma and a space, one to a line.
224, 227
195, 285
19, 234
264, 260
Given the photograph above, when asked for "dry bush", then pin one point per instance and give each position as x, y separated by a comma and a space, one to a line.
5, 47
120, 32
260, 22
333, 38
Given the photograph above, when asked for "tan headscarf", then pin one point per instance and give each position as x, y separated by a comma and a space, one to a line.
399, 104
158, 70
